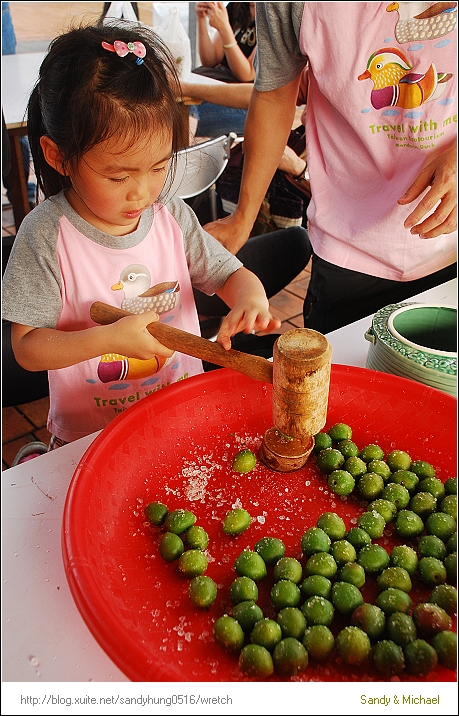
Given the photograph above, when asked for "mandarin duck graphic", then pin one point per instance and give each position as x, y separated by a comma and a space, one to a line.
139, 296
420, 21
394, 85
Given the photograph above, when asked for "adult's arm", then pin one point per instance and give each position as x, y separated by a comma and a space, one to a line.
235, 95
267, 127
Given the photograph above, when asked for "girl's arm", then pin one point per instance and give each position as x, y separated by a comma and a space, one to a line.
243, 292
37, 349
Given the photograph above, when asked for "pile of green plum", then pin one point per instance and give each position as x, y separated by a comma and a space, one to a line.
317, 610
320, 608
185, 542
398, 490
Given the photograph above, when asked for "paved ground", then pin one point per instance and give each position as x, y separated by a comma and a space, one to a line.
36, 23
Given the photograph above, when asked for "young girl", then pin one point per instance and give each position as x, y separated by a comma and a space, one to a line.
104, 126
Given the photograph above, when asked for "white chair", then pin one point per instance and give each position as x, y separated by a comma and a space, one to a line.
198, 168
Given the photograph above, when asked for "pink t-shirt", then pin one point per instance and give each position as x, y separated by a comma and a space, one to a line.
381, 104
60, 265
87, 396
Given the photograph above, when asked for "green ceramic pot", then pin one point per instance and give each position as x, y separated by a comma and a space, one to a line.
417, 341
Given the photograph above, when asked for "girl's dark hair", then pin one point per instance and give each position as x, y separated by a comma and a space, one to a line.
86, 94
241, 15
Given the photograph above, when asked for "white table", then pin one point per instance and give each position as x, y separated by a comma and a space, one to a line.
44, 636
19, 74
348, 343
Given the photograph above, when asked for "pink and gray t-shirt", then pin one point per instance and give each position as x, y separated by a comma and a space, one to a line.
61, 265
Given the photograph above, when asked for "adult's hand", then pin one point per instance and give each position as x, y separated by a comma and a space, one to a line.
202, 9
218, 17
440, 174
291, 163
230, 232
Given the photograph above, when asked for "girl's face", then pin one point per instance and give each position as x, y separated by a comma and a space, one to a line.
113, 183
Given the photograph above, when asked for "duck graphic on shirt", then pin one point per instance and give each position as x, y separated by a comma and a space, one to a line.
395, 85
419, 21
139, 296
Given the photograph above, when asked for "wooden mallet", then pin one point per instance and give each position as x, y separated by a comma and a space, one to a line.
299, 373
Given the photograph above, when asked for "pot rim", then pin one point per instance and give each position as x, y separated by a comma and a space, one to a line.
406, 341
379, 329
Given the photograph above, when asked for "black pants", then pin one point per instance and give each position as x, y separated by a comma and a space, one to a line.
31, 187
276, 258
338, 296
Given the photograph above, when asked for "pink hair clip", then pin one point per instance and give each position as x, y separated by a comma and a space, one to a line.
122, 49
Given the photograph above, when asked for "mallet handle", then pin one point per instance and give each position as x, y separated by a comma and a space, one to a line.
173, 338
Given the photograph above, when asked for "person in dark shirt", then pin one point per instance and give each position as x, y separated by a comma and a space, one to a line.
227, 56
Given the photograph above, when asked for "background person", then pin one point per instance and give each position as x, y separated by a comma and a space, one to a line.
274, 253
237, 96
227, 56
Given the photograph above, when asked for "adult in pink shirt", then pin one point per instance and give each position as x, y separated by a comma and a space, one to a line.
381, 145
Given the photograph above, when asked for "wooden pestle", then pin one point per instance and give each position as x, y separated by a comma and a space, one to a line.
176, 340
301, 380
300, 374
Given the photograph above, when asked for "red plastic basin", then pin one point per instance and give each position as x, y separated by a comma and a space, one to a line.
176, 446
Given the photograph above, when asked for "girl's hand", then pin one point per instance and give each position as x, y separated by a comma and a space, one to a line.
249, 317
243, 292
130, 337
441, 176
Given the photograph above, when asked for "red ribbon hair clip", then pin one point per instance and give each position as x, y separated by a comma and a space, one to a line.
122, 49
